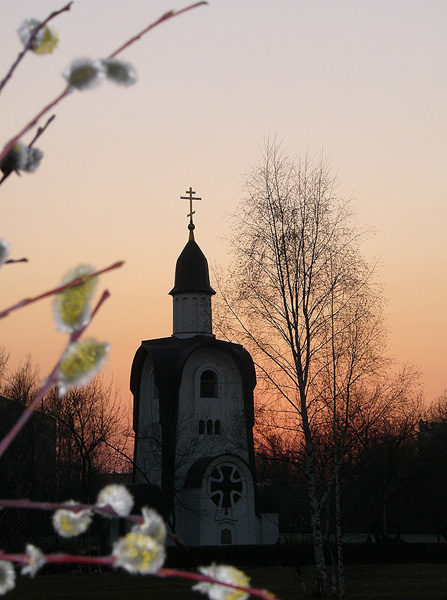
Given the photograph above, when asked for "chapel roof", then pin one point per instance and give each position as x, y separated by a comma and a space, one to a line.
191, 271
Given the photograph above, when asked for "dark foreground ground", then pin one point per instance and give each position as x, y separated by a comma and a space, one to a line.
365, 582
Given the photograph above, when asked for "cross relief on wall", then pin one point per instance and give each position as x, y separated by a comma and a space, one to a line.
226, 485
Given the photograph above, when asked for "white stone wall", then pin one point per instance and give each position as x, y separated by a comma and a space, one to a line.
149, 430
201, 518
200, 521
227, 408
192, 315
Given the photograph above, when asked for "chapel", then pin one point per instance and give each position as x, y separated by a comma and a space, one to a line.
194, 417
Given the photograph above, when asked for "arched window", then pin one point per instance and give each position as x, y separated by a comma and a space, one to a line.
208, 384
201, 426
217, 427
209, 427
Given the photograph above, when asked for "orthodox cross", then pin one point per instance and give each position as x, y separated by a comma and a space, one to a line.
191, 225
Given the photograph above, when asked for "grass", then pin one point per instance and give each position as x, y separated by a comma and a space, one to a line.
365, 582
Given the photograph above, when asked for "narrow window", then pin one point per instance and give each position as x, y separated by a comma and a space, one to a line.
209, 427
225, 537
201, 426
217, 427
208, 384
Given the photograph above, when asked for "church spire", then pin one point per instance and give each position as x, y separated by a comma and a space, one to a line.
192, 290
191, 225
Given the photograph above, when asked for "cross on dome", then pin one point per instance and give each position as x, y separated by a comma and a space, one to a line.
191, 225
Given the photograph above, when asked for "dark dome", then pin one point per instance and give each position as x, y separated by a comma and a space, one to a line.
191, 271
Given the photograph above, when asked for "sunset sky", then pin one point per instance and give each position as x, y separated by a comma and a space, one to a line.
363, 82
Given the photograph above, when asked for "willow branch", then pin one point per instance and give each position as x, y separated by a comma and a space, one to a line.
264, 594
69, 88
48, 384
34, 121
35, 138
26, 414
58, 290
110, 560
29, 43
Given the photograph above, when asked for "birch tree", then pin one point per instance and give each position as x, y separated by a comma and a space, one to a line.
304, 303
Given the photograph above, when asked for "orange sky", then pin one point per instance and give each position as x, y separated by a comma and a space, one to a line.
366, 82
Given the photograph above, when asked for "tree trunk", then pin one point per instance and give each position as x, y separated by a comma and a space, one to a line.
338, 534
317, 537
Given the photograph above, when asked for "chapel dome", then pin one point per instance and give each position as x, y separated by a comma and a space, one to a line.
191, 271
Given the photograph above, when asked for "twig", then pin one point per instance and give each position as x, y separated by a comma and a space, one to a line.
106, 511
41, 130
15, 260
162, 19
60, 558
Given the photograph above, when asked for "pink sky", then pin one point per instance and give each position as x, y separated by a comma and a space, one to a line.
366, 82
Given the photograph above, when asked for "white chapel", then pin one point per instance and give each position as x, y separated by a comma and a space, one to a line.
193, 421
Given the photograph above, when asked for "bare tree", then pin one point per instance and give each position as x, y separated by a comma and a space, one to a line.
27, 469
432, 445
4, 358
20, 385
90, 426
305, 305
